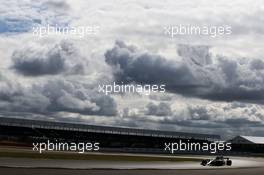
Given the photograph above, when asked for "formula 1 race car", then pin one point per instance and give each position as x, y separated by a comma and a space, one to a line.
218, 161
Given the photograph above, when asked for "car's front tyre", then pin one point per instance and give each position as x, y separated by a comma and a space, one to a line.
204, 162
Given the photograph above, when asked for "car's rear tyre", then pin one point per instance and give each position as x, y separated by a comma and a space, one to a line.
229, 162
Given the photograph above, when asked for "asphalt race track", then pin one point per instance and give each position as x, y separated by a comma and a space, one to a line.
26, 166
238, 162
29, 171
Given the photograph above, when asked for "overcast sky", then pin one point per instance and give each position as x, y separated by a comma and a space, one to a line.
213, 84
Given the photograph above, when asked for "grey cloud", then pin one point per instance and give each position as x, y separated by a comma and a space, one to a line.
162, 109
161, 97
14, 97
198, 55
55, 96
107, 105
231, 115
74, 97
257, 64
226, 118
133, 66
52, 64
57, 5
197, 75
199, 113
60, 58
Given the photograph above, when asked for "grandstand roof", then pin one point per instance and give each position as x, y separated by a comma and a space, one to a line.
102, 129
248, 139
253, 139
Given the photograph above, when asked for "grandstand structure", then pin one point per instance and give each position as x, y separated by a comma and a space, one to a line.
27, 131
38, 124
248, 144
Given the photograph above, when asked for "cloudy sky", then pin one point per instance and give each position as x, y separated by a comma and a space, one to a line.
213, 84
